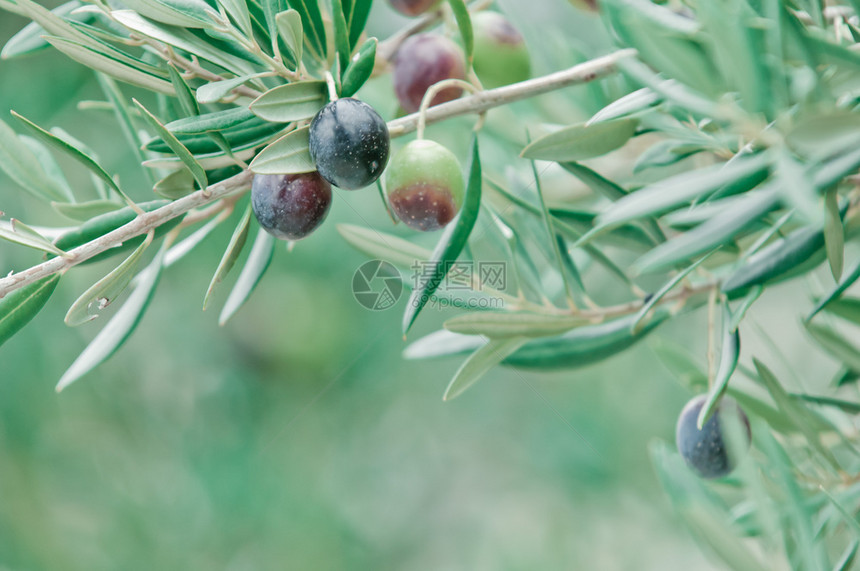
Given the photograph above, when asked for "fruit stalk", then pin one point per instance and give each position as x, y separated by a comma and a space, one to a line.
477, 103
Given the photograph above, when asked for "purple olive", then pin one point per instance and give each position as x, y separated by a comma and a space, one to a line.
500, 54
706, 450
290, 206
424, 185
422, 60
349, 143
413, 7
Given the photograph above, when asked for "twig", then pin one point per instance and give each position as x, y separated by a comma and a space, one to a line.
480, 102
477, 103
140, 225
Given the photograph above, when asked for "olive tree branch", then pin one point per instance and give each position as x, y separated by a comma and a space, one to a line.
477, 103
485, 100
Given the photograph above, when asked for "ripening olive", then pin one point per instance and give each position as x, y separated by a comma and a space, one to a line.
422, 60
413, 7
349, 143
424, 185
705, 450
290, 206
500, 54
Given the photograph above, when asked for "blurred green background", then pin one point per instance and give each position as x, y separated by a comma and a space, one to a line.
296, 437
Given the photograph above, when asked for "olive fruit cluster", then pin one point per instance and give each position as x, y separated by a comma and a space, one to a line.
706, 450
349, 144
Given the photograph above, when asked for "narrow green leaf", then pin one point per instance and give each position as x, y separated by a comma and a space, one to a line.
290, 28
110, 66
464, 23
77, 154
443, 343
85, 210
216, 90
313, 26
181, 13
782, 259
495, 324
739, 313
23, 167
291, 102
358, 20
479, 364
383, 246
287, 155
52, 168
231, 254
835, 344
659, 294
451, 243
19, 233
119, 328
729, 355
793, 411
184, 93
216, 121
182, 39
359, 69
551, 237
20, 306
846, 561
846, 406
178, 148
106, 290
846, 308
582, 346
123, 117
631, 103
341, 34
246, 135
716, 232
683, 188
30, 38
177, 184
238, 10
579, 142
837, 291
832, 172
258, 262
594, 180
834, 234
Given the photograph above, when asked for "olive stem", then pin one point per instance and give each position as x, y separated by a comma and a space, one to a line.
477, 103
431, 93
332, 88
712, 336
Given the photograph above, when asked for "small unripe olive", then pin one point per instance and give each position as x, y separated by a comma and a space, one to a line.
290, 207
423, 60
349, 143
414, 7
706, 450
424, 185
500, 55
